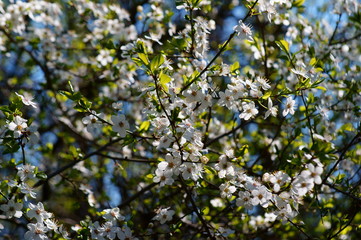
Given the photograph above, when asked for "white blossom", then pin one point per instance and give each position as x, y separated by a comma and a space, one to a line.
27, 99
120, 125
93, 123
113, 214
249, 111
12, 209
227, 190
313, 173
164, 215
244, 200
36, 231
38, 212
243, 31
262, 196
26, 172
271, 109
290, 104
18, 126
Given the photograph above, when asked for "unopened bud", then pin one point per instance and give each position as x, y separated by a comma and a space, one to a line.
139, 8
204, 159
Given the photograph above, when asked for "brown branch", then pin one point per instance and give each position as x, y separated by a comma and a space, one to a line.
225, 134
346, 39
126, 159
345, 226
135, 196
195, 208
343, 192
352, 142
70, 165
299, 228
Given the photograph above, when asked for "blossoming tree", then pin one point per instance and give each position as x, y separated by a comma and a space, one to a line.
189, 119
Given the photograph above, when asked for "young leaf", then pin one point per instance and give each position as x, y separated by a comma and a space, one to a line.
156, 62
144, 58
283, 45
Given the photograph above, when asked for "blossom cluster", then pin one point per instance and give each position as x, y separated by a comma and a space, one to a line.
126, 121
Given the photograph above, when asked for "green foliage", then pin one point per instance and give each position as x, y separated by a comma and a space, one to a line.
146, 108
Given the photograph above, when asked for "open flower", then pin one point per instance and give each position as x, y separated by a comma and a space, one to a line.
38, 212
227, 190
96, 231
18, 126
290, 104
26, 172
110, 229
93, 123
36, 232
163, 177
164, 215
104, 57
249, 111
262, 196
313, 173
244, 200
271, 109
125, 233
263, 82
224, 167
12, 209
301, 186
113, 214
27, 99
26, 189
244, 31
121, 125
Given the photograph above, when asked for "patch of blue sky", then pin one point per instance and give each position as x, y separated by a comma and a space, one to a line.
110, 188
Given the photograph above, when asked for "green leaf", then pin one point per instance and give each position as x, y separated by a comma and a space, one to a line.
144, 58
11, 148
137, 61
76, 96
41, 175
313, 61
5, 109
322, 88
340, 178
144, 126
156, 62
283, 45
267, 95
164, 78
234, 67
298, 3
242, 151
72, 96
347, 127
71, 87
66, 94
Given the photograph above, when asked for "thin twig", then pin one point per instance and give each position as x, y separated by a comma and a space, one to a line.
138, 194
308, 117
343, 192
336, 27
358, 135
345, 226
70, 165
225, 134
127, 159
300, 229
195, 208
22, 145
